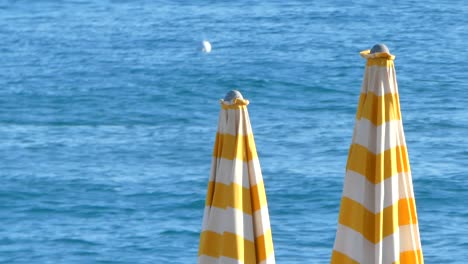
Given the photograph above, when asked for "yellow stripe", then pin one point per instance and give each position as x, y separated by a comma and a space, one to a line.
377, 167
340, 258
375, 227
382, 62
228, 245
411, 257
238, 104
264, 246
210, 193
235, 196
379, 109
235, 147
258, 196
366, 54
232, 106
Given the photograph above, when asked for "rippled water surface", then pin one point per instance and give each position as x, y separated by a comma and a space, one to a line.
108, 112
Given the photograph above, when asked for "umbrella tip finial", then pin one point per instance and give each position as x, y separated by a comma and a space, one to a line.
379, 48
233, 94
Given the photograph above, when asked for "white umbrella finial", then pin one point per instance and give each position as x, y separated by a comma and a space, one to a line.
233, 94
380, 48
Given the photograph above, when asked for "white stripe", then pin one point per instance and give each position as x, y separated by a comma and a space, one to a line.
270, 259
230, 171
388, 192
234, 122
255, 172
355, 246
379, 80
236, 171
261, 220
406, 186
409, 238
236, 222
377, 139
214, 167
224, 260
228, 220
221, 260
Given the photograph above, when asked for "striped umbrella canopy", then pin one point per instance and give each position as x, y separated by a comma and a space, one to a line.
377, 222
236, 224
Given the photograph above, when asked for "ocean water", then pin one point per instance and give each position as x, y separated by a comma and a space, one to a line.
108, 114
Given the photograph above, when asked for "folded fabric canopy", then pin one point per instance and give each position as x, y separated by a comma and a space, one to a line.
236, 224
377, 222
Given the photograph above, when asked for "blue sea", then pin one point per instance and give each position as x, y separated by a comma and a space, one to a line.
108, 115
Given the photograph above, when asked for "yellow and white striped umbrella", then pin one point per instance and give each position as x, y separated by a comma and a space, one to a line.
236, 224
377, 222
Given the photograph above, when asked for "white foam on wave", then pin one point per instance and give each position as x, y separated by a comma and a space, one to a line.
206, 46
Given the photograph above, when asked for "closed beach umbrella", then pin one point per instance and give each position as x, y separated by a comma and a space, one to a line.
377, 222
236, 224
